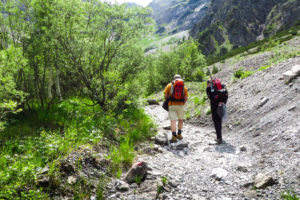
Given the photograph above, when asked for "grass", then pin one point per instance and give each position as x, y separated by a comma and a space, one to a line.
289, 195
242, 73
52, 135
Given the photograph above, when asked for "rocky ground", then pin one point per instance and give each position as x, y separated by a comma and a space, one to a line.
260, 157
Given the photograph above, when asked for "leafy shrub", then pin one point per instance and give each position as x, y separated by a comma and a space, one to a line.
241, 73
215, 70
198, 75
264, 67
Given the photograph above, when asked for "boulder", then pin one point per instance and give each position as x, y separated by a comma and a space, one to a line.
288, 76
263, 180
161, 139
138, 170
296, 70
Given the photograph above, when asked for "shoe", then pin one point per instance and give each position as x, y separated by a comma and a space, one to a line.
219, 140
179, 137
174, 139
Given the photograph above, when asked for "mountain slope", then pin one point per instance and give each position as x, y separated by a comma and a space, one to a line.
229, 24
173, 16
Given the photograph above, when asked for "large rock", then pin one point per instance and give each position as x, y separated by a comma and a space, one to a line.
291, 74
263, 180
288, 76
137, 171
296, 70
161, 139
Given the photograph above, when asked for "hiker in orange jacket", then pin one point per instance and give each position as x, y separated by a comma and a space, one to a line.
178, 95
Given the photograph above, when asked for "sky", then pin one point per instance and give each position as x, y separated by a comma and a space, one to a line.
140, 2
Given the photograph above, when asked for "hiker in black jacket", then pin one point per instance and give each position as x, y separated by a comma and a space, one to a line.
217, 98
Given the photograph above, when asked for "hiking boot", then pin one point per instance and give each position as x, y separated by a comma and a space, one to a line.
219, 140
174, 139
179, 137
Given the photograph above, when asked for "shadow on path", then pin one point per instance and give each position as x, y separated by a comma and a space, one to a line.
225, 148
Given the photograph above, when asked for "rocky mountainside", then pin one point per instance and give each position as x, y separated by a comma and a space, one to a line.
173, 16
229, 24
260, 156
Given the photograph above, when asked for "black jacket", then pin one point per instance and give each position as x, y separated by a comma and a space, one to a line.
217, 96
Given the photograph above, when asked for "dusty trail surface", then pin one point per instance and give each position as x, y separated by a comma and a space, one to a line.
204, 169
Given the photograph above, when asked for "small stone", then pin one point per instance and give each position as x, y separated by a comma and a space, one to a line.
291, 108
243, 148
173, 184
167, 127
263, 101
262, 180
122, 186
180, 145
242, 169
72, 180
219, 173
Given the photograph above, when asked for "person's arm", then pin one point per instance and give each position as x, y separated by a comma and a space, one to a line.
186, 94
208, 93
166, 92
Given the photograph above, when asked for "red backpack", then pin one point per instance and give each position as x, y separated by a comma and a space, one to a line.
177, 90
217, 83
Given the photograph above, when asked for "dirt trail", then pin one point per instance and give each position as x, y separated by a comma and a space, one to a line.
204, 169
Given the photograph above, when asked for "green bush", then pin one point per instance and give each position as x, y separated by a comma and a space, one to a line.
215, 70
241, 73
198, 75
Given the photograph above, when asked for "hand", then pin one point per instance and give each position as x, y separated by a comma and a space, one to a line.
220, 103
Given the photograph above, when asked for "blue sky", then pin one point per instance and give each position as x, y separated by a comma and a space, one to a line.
140, 2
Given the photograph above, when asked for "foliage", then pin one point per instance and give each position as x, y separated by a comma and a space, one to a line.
215, 70
70, 49
21, 158
264, 67
11, 61
184, 59
137, 127
242, 73
289, 196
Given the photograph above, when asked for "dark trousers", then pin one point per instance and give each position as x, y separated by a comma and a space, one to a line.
217, 121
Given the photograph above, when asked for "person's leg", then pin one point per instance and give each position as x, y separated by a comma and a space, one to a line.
180, 124
217, 122
173, 126
180, 121
173, 118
